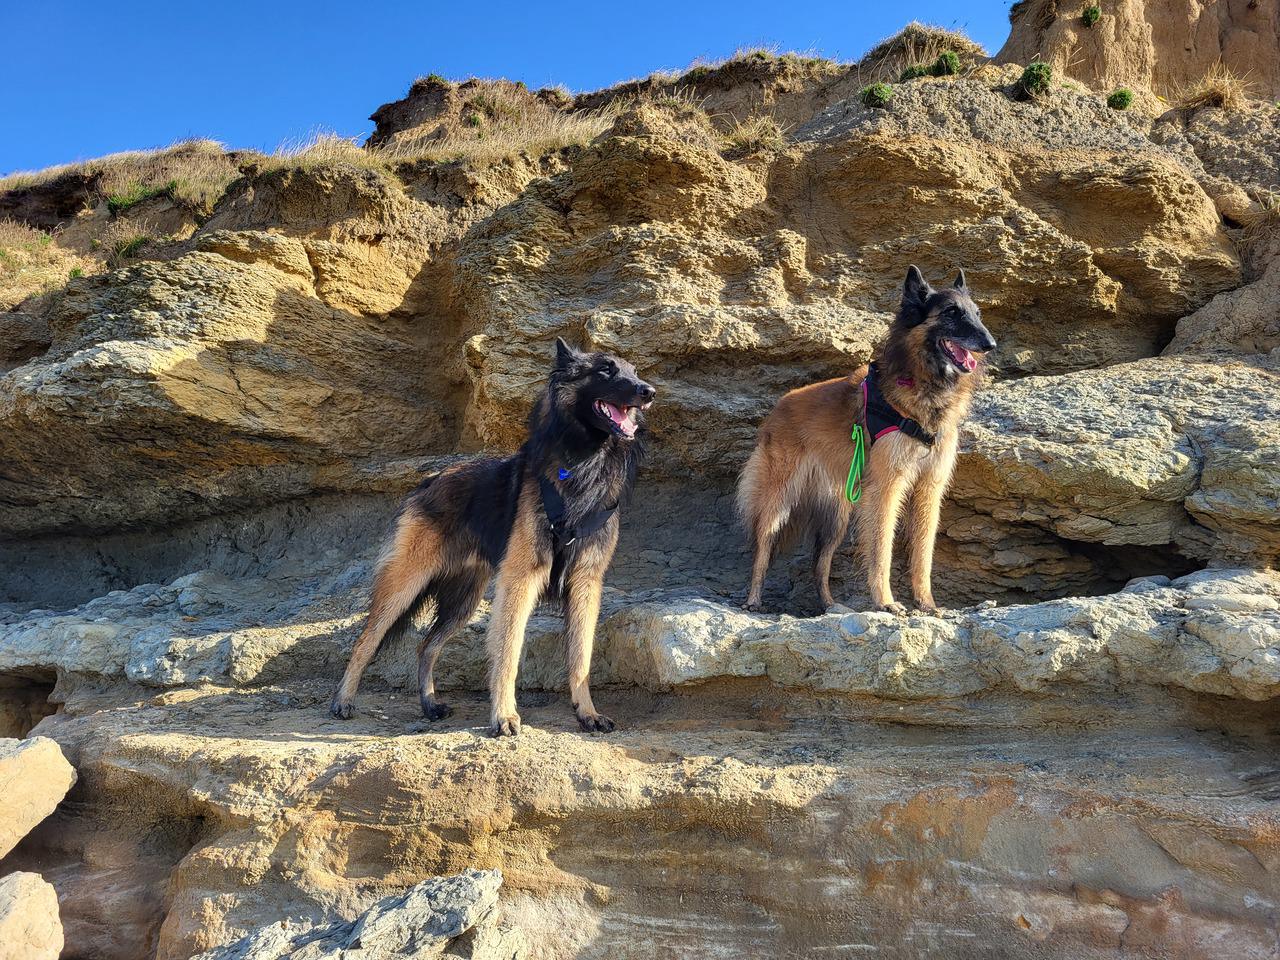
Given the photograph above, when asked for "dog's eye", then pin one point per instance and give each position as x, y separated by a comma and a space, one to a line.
608, 371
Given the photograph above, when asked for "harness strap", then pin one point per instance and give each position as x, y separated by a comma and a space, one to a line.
553, 505
879, 418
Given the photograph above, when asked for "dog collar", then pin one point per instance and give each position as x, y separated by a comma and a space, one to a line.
881, 417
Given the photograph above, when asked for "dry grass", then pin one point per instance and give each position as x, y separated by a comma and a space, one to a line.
495, 128
752, 134
915, 44
32, 263
323, 149
197, 171
490, 127
123, 241
1220, 88
1261, 235
803, 62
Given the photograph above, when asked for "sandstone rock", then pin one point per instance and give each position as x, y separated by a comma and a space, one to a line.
419, 923
1145, 635
769, 821
29, 924
328, 328
34, 776
1160, 44
1171, 450
22, 337
1242, 321
692, 265
659, 641
187, 387
1236, 145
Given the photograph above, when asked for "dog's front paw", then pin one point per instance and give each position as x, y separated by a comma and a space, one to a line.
897, 609
929, 608
595, 723
340, 709
435, 710
508, 726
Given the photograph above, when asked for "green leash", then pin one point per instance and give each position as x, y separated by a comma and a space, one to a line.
853, 485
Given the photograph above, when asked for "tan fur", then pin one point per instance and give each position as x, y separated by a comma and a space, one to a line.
413, 556
522, 577
417, 551
801, 462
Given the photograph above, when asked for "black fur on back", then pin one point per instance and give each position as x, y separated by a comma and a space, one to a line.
476, 503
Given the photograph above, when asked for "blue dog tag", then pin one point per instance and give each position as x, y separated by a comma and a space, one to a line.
565, 474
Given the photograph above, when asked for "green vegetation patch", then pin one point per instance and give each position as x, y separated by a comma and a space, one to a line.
877, 95
128, 247
1091, 15
1120, 99
947, 64
1036, 79
137, 193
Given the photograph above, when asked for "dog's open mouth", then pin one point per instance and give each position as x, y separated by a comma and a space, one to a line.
963, 359
625, 420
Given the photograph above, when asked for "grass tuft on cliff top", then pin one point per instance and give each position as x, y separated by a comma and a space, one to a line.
915, 44
198, 171
754, 56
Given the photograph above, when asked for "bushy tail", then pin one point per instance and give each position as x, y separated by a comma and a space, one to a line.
748, 489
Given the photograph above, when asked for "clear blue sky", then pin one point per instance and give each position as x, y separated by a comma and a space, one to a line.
81, 79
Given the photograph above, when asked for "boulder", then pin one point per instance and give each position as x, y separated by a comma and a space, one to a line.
1167, 451
34, 777
436, 918
29, 924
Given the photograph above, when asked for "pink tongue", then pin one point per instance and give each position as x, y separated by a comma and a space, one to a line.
620, 417
967, 359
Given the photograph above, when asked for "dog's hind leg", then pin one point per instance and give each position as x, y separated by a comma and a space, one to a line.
830, 524
762, 502
457, 597
581, 613
521, 579
411, 560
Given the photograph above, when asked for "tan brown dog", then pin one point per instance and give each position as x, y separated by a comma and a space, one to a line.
909, 402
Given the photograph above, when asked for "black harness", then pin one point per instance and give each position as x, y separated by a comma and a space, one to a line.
553, 505
881, 417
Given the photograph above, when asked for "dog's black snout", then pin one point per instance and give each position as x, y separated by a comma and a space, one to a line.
645, 391
989, 343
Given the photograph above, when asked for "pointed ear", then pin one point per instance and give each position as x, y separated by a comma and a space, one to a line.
565, 354
915, 290
960, 283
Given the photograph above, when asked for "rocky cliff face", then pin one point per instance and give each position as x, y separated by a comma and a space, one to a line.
1159, 44
203, 447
